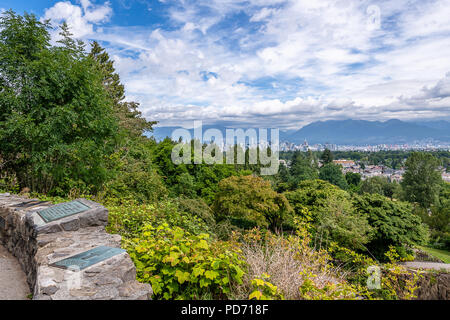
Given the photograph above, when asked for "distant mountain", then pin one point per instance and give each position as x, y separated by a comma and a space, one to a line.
442, 125
369, 132
160, 133
348, 132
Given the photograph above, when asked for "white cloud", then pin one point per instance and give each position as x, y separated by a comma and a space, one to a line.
81, 20
315, 59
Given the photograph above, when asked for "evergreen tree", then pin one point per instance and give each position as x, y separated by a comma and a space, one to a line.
327, 157
130, 118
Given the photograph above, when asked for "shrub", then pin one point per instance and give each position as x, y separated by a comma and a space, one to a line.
198, 208
396, 281
251, 199
286, 267
129, 218
394, 223
180, 265
332, 214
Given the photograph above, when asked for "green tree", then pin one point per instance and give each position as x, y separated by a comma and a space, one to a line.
250, 200
326, 157
422, 180
394, 223
56, 122
333, 174
353, 178
303, 167
331, 213
130, 118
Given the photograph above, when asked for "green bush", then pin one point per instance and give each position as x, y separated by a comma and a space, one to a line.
128, 218
180, 265
331, 213
394, 223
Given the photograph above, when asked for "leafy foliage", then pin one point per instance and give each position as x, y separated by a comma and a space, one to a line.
422, 180
180, 265
394, 223
56, 125
333, 174
332, 214
251, 199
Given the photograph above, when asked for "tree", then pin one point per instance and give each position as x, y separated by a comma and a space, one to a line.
56, 122
130, 118
333, 174
331, 212
302, 168
422, 180
353, 178
438, 219
250, 201
394, 223
326, 157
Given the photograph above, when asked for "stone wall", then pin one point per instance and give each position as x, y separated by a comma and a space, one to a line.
434, 285
38, 244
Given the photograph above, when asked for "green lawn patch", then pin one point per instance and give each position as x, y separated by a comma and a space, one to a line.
440, 254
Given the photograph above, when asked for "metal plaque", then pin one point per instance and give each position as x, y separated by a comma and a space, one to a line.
62, 210
88, 258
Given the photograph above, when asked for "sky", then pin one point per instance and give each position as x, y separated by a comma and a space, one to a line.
269, 63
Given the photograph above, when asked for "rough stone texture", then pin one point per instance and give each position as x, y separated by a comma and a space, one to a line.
434, 286
37, 244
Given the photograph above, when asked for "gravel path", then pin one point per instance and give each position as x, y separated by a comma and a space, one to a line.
428, 265
13, 284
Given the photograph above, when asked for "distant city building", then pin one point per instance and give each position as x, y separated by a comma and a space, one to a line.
345, 163
446, 176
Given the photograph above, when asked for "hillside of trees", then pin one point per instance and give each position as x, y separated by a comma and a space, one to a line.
203, 231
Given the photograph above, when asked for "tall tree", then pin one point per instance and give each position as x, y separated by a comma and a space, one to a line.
333, 174
303, 167
130, 118
422, 179
394, 223
56, 128
326, 157
331, 212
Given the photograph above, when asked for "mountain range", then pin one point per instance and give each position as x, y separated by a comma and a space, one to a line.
356, 132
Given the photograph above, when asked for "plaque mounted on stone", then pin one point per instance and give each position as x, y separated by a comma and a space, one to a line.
62, 210
88, 258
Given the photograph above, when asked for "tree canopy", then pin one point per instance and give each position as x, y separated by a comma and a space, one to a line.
56, 120
251, 199
422, 179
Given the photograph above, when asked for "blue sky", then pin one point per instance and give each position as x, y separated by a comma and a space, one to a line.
278, 63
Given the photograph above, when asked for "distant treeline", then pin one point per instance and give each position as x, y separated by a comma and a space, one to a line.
391, 159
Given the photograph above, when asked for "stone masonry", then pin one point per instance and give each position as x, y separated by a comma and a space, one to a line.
37, 244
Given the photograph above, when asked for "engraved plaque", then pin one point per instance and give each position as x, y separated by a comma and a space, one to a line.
88, 258
62, 210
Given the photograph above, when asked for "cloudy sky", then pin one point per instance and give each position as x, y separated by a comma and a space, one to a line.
271, 63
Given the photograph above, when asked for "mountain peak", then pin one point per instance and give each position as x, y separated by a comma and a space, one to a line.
393, 131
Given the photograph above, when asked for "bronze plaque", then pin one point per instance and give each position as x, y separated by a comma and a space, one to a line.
62, 210
88, 258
